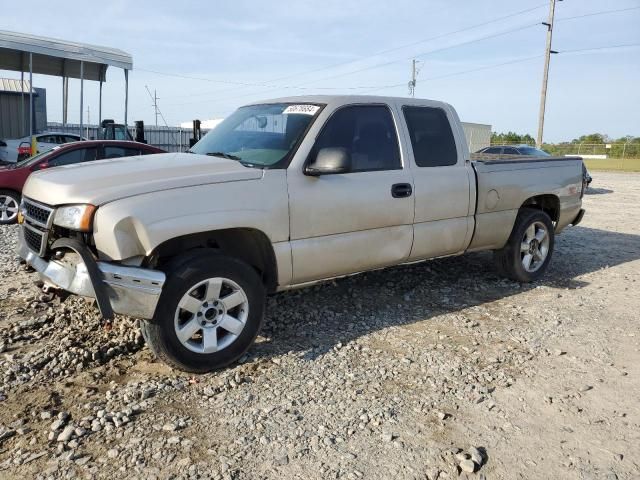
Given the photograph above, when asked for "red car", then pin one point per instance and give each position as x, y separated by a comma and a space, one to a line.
13, 177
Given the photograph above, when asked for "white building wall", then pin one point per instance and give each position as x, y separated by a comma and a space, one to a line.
478, 135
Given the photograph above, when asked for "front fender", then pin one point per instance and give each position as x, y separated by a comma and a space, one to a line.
136, 225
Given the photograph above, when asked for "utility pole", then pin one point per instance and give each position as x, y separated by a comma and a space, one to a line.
414, 74
155, 104
155, 99
545, 76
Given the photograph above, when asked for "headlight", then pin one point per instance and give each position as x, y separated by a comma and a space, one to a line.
75, 217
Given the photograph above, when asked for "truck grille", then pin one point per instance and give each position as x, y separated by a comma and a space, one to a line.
37, 222
37, 213
33, 238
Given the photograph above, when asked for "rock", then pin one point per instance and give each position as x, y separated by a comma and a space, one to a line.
112, 453
467, 466
387, 437
66, 434
476, 456
82, 460
461, 457
282, 459
57, 425
585, 388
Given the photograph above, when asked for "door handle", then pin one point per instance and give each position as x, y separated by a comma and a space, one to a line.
401, 190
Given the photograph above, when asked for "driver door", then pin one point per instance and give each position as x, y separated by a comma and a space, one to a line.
354, 221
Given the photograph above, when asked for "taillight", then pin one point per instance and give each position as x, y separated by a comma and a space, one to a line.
24, 151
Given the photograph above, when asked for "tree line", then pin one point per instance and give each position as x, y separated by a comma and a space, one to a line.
593, 143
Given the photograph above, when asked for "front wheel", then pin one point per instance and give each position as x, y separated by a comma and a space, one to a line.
528, 251
9, 204
209, 313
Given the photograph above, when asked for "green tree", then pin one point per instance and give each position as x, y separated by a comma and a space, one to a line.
511, 138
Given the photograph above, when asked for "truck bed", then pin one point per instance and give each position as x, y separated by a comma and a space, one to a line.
503, 185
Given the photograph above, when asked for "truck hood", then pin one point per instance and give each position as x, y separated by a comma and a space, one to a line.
104, 181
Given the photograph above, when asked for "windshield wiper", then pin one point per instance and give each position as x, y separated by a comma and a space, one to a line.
224, 155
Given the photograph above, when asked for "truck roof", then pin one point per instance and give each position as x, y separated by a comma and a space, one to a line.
346, 99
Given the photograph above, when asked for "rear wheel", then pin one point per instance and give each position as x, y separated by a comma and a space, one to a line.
527, 254
209, 313
9, 204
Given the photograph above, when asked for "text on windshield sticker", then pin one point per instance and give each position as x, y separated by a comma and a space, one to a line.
301, 109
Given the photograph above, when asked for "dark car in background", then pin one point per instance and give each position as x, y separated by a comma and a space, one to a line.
514, 150
14, 176
525, 150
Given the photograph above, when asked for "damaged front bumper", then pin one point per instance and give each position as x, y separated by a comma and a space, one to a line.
117, 289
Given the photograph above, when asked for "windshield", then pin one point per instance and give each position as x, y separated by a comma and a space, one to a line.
259, 135
533, 151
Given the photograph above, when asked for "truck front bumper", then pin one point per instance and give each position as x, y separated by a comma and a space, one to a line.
118, 289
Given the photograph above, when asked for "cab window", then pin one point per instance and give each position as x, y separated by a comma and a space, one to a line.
432, 140
367, 133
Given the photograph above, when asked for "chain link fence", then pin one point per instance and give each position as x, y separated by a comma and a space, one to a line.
620, 150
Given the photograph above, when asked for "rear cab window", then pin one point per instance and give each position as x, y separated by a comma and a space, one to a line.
431, 136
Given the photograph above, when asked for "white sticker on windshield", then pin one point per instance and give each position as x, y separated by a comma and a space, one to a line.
301, 109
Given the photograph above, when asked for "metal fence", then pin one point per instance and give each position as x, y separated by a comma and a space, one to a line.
620, 150
171, 139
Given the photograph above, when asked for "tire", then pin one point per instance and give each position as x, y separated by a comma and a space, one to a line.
9, 204
189, 296
521, 249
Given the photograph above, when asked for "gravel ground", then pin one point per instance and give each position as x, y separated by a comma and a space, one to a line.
438, 370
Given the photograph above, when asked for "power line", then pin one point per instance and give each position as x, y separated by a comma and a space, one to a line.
603, 12
600, 48
340, 64
371, 67
437, 50
462, 72
372, 89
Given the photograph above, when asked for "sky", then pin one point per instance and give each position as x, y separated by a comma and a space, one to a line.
205, 59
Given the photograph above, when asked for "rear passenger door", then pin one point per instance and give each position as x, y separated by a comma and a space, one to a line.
443, 182
350, 222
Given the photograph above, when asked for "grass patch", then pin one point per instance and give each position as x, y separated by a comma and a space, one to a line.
626, 165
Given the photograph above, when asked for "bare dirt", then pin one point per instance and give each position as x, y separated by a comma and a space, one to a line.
391, 374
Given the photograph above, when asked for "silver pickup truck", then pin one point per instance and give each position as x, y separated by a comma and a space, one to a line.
281, 194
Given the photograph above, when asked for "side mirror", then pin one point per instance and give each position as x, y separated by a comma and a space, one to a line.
329, 161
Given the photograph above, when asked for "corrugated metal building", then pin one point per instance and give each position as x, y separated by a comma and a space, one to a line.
478, 135
14, 108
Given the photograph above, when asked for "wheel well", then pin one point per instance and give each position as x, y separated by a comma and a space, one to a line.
11, 190
247, 244
550, 204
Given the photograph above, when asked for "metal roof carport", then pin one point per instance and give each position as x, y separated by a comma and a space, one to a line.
49, 56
